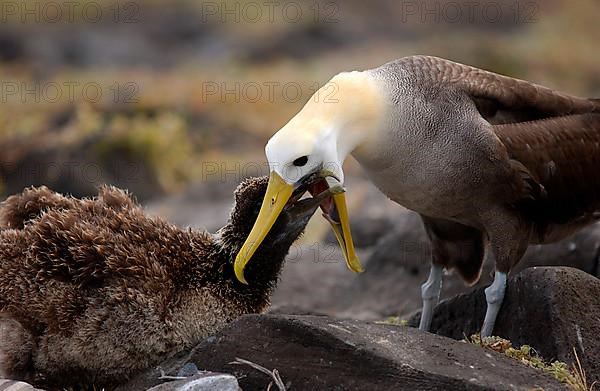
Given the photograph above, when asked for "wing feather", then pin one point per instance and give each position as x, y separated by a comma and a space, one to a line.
500, 99
562, 154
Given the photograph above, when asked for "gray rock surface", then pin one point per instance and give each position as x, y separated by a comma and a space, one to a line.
13, 385
313, 352
552, 309
206, 381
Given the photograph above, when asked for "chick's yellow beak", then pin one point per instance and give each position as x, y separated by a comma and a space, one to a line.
342, 232
277, 195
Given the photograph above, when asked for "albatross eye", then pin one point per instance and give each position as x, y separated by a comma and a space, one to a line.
301, 161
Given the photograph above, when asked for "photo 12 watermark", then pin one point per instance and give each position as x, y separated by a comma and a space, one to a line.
56, 172
68, 91
269, 12
69, 12
468, 11
329, 251
269, 91
225, 171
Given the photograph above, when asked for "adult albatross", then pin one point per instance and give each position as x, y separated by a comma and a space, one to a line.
491, 163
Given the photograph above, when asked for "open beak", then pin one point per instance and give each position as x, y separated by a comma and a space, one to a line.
277, 195
325, 188
337, 215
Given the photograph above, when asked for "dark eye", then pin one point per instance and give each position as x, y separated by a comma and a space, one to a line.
301, 161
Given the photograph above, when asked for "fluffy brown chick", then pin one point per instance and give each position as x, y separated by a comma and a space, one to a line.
93, 290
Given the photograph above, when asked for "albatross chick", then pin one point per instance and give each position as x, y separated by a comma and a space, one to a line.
93, 290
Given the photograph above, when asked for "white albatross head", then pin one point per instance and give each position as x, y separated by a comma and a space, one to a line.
307, 154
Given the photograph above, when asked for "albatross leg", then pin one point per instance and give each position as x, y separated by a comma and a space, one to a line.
508, 237
494, 295
430, 293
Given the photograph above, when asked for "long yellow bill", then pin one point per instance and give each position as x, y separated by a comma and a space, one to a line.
277, 195
343, 234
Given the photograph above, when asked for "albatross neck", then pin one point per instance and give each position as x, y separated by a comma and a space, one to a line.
357, 112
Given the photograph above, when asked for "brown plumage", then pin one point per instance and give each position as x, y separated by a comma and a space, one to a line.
528, 158
562, 157
500, 99
93, 290
552, 139
491, 163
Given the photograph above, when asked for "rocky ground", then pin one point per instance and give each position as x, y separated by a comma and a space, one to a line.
318, 352
322, 329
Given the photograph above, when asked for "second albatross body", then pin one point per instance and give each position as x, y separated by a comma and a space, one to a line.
491, 163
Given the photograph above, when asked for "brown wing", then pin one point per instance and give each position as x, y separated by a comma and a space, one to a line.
500, 99
563, 155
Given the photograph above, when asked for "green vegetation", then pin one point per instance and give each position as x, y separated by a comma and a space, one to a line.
394, 320
574, 377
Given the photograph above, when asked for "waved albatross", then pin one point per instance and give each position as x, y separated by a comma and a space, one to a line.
93, 290
491, 163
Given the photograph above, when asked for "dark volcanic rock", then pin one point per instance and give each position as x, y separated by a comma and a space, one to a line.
366, 231
552, 309
313, 352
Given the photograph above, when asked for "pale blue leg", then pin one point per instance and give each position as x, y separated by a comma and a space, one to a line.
430, 293
494, 295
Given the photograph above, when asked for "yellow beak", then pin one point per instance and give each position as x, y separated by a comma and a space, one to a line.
343, 234
277, 195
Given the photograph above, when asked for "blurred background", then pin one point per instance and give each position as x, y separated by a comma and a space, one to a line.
175, 100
